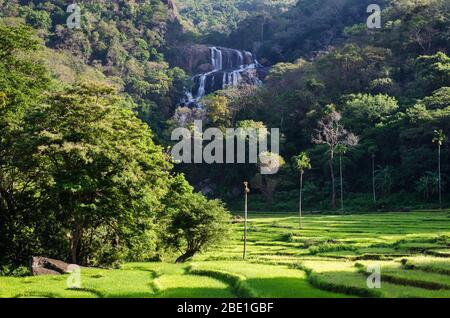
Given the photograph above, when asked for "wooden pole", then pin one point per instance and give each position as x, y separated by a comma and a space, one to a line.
246, 191
342, 186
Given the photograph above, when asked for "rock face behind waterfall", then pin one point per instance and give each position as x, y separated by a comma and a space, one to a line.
215, 68
194, 59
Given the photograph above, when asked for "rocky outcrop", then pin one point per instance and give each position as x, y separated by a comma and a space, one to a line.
172, 10
185, 116
194, 59
47, 266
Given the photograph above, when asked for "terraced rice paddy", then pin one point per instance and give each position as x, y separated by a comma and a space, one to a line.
329, 257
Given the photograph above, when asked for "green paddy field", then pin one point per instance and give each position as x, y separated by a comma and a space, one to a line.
327, 258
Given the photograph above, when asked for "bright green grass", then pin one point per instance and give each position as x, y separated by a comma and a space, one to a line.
94, 282
191, 286
270, 281
389, 290
417, 278
278, 253
331, 245
431, 264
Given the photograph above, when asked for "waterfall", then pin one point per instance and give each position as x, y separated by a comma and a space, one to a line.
201, 87
216, 58
230, 67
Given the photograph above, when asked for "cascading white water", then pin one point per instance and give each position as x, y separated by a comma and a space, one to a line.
228, 67
201, 87
216, 58
240, 59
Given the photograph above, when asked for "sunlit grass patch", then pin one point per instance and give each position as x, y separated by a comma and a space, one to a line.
192, 286
279, 262
269, 280
94, 283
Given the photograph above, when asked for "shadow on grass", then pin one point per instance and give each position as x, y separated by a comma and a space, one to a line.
130, 295
288, 287
37, 295
87, 290
196, 292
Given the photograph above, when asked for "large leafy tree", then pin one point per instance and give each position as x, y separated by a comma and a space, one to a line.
22, 81
190, 222
364, 111
102, 167
433, 71
332, 133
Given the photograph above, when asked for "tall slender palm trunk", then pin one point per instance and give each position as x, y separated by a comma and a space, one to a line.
245, 224
440, 184
300, 200
333, 186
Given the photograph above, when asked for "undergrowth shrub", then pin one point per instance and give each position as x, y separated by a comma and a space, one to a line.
301, 266
406, 264
330, 247
20, 271
287, 237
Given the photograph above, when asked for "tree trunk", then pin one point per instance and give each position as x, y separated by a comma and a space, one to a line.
267, 191
373, 179
183, 258
333, 187
74, 244
300, 199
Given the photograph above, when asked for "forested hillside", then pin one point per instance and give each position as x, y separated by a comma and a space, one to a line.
81, 177
389, 86
121, 42
215, 19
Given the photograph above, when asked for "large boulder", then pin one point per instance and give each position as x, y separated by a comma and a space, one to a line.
47, 266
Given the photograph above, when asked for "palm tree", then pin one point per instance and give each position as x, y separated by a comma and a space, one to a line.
302, 163
439, 138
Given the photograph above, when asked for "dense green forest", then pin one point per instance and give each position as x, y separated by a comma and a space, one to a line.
389, 85
86, 116
215, 20
81, 178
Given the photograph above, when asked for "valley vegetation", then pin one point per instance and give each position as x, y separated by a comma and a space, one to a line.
86, 117
81, 178
388, 86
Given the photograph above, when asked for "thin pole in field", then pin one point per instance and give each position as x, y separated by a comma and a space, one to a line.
342, 186
246, 191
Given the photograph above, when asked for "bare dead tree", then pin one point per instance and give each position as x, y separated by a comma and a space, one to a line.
332, 133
